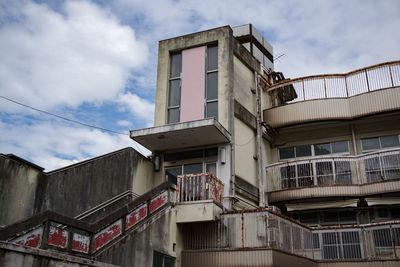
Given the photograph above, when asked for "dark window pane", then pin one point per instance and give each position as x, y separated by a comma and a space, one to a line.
174, 93
173, 115
395, 213
157, 259
324, 172
372, 169
286, 153
343, 172
209, 152
340, 147
389, 141
191, 154
370, 143
176, 65
212, 110
212, 57
322, 149
211, 167
193, 168
303, 151
304, 174
171, 174
212, 86
169, 262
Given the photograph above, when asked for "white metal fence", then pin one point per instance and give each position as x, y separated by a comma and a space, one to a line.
334, 170
268, 229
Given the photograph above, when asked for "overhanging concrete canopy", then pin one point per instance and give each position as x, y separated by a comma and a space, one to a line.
182, 135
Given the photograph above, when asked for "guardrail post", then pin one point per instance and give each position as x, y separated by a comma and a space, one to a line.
366, 76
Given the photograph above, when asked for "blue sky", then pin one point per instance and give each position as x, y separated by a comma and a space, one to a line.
96, 61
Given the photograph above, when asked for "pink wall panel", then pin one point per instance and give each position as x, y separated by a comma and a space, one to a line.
192, 91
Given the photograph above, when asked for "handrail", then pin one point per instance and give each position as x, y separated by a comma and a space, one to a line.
274, 86
106, 203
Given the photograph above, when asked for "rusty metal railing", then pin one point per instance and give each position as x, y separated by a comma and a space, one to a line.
199, 186
264, 228
335, 170
380, 76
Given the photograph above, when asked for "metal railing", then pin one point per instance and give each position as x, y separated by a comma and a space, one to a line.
199, 186
384, 75
335, 170
269, 229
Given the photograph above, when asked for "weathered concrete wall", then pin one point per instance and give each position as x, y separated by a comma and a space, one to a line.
137, 249
17, 256
223, 36
19, 183
26, 190
79, 187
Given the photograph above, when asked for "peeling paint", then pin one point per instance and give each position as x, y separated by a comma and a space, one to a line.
80, 243
136, 216
107, 235
158, 201
57, 237
32, 239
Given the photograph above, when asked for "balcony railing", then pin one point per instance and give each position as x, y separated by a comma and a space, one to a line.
199, 186
360, 81
268, 229
335, 170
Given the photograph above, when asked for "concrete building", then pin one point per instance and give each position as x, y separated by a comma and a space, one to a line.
247, 168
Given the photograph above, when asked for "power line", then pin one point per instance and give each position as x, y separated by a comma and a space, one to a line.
70, 120
63, 118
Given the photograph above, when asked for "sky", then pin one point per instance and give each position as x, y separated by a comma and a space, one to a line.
96, 61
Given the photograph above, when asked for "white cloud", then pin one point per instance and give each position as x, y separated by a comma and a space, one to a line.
138, 106
124, 123
53, 145
82, 55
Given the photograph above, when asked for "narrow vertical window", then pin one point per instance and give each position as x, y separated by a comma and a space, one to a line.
174, 95
211, 105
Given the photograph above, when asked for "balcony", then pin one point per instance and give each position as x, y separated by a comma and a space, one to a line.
257, 232
199, 197
335, 96
362, 175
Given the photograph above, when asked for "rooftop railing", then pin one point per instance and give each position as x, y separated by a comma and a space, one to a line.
199, 186
335, 170
384, 75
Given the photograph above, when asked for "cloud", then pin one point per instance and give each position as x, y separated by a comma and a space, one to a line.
316, 37
138, 106
53, 144
124, 123
83, 54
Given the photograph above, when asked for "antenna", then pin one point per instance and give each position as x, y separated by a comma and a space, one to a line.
280, 56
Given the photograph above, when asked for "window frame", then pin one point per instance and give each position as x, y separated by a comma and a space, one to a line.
207, 72
380, 143
170, 79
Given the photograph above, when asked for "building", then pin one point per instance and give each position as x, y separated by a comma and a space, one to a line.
247, 168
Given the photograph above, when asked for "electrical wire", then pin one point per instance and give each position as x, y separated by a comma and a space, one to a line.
70, 120
63, 118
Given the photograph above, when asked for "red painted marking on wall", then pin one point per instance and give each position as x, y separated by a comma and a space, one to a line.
57, 237
31, 239
136, 216
158, 201
80, 243
108, 234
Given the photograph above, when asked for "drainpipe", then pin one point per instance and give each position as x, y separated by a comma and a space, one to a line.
353, 136
262, 201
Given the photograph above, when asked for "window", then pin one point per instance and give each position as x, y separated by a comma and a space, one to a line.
211, 108
380, 167
326, 171
341, 245
162, 260
376, 143
188, 162
193, 84
174, 97
341, 147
